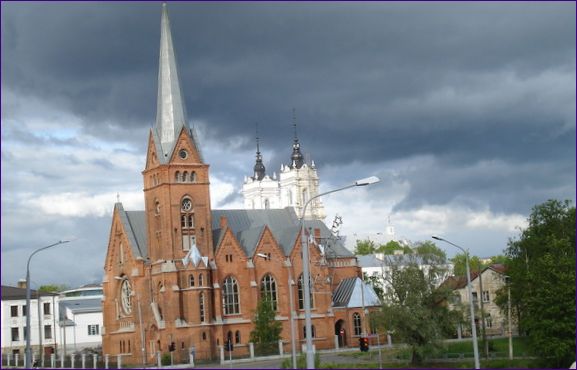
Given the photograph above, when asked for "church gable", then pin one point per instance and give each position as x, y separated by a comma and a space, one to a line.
229, 249
185, 150
268, 246
123, 250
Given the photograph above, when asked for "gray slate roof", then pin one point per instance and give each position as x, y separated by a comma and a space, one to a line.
81, 305
247, 226
350, 294
10, 293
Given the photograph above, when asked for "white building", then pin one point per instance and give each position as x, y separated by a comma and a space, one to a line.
297, 183
81, 318
44, 313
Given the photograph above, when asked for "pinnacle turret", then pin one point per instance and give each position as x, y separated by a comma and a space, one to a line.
297, 158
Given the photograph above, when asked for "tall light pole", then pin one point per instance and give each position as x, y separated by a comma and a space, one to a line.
306, 275
27, 329
469, 287
510, 331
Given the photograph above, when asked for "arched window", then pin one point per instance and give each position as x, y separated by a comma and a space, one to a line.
305, 196
187, 224
203, 335
290, 197
301, 293
266, 204
201, 306
230, 298
268, 290
184, 176
237, 337
357, 323
191, 280
193, 176
200, 280
177, 176
229, 336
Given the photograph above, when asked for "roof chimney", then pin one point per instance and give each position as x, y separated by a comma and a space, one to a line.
22, 283
223, 222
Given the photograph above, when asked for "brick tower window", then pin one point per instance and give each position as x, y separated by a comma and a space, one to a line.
301, 293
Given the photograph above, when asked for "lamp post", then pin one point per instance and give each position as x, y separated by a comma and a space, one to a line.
469, 288
510, 331
306, 275
28, 349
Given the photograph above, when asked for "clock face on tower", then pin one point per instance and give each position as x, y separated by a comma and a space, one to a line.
186, 205
126, 296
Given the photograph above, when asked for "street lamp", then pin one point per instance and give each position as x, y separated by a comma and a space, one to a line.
473, 327
306, 275
291, 313
510, 332
28, 349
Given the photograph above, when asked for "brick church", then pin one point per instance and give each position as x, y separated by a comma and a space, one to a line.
181, 275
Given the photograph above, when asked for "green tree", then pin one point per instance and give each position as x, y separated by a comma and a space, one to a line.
413, 308
428, 248
377, 283
53, 288
542, 273
364, 247
459, 267
266, 332
392, 246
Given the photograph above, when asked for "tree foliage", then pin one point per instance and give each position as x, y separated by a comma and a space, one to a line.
429, 249
459, 264
542, 272
413, 308
266, 332
365, 247
53, 288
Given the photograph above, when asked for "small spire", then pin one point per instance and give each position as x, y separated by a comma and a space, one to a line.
259, 169
297, 159
117, 198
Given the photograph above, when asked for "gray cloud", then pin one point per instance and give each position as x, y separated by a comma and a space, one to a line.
475, 101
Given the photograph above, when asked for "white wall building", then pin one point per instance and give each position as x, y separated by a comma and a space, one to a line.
81, 318
297, 183
44, 313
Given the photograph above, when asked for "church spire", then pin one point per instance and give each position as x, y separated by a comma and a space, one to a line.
297, 159
170, 111
259, 169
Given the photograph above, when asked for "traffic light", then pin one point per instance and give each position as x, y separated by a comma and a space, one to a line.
364, 344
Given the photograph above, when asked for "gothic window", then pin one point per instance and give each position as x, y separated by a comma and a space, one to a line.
177, 176
201, 306
200, 280
268, 290
290, 197
301, 293
187, 224
191, 280
193, 176
237, 337
184, 176
126, 296
230, 296
305, 196
357, 323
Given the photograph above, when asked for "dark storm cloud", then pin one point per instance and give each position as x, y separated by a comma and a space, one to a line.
475, 100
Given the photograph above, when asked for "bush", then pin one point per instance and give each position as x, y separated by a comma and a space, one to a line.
165, 359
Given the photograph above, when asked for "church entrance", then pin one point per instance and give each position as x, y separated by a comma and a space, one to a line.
341, 332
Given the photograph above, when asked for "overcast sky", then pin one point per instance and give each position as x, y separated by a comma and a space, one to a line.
466, 111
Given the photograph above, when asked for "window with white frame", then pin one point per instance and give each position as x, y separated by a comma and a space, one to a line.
268, 290
230, 296
47, 331
13, 311
46, 307
93, 329
357, 323
486, 297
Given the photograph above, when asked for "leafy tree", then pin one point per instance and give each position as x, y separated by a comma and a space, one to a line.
53, 288
542, 273
413, 308
428, 248
266, 332
377, 284
365, 247
392, 246
499, 259
459, 264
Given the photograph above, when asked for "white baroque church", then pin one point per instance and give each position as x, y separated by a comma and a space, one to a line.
296, 184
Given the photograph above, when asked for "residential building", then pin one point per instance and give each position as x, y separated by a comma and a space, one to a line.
485, 286
183, 277
44, 313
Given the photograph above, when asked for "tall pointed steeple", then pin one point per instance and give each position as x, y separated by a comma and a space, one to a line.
259, 169
170, 110
297, 159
